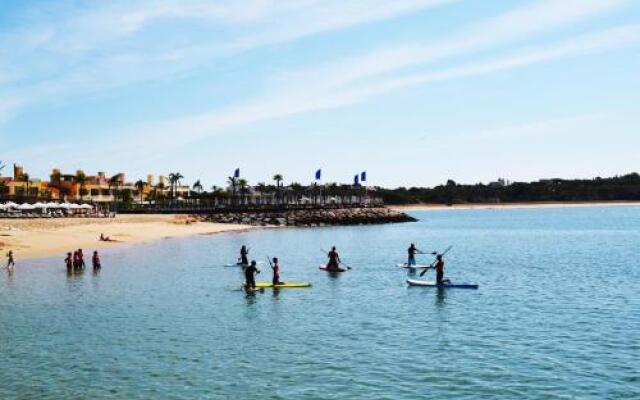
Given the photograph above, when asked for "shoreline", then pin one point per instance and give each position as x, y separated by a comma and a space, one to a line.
523, 205
41, 238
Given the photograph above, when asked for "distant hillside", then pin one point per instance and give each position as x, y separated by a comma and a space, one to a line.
618, 188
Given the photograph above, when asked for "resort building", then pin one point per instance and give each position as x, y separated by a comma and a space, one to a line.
80, 187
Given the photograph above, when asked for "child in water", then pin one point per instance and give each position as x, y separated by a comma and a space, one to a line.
69, 262
10, 262
96, 261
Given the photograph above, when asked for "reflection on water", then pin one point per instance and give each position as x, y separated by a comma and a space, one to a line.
441, 296
155, 323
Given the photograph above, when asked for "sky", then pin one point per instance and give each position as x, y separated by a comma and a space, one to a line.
415, 92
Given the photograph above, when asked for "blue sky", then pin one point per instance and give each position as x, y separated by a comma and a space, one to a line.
413, 91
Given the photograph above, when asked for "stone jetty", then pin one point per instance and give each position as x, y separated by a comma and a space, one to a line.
312, 217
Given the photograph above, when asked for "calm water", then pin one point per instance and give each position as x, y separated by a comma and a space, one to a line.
557, 315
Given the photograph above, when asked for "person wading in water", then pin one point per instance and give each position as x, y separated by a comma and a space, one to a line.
96, 261
10, 261
69, 262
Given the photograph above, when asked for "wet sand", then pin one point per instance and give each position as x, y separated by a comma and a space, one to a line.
31, 238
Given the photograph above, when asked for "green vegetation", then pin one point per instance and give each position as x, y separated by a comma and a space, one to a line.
618, 188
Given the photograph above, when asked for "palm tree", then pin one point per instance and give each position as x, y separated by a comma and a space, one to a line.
262, 187
2, 165
297, 189
243, 185
159, 186
174, 180
233, 183
278, 178
197, 187
140, 185
81, 179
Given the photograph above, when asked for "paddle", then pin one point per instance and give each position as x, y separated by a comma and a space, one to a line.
434, 263
343, 264
420, 253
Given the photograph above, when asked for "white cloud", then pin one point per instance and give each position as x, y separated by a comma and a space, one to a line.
590, 43
523, 22
338, 84
286, 102
97, 49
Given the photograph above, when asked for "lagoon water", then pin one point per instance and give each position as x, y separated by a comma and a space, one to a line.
557, 315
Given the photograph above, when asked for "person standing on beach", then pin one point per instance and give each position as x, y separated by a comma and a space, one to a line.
95, 260
75, 260
244, 252
69, 262
334, 259
250, 276
10, 261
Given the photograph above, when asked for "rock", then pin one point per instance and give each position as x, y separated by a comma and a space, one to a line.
312, 218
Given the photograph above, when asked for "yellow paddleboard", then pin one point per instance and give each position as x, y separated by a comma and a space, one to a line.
282, 285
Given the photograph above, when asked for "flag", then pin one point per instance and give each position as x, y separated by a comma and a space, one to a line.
318, 174
237, 173
356, 180
363, 177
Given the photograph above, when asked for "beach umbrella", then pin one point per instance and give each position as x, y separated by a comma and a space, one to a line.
64, 205
25, 206
39, 205
86, 207
74, 206
2, 207
10, 204
53, 205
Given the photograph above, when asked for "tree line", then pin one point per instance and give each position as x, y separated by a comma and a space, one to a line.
617, 188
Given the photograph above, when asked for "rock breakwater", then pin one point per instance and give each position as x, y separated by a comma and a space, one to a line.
324, 217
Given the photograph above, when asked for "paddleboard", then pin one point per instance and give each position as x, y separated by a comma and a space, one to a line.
282, 285
416, 282
324, 268
242, 265
417, 266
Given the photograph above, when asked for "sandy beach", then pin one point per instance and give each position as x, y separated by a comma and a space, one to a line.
436, 207
31, 238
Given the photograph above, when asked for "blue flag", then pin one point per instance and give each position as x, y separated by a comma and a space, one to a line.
318, 174
356, 180
237, 173
363, 177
